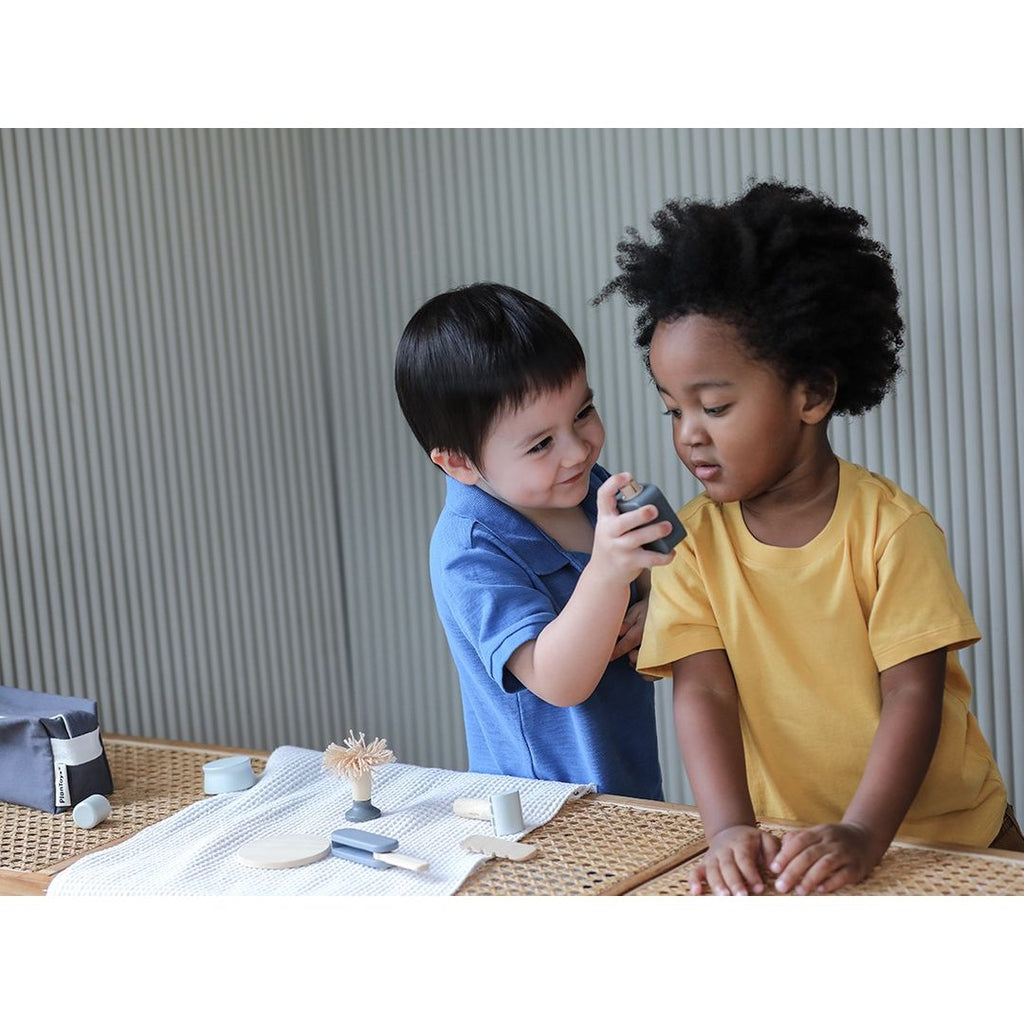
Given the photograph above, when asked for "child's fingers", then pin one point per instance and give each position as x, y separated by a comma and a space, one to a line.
629, 641
792, 876
792, 844
645, 532
816, 861
727, 878
769, 848
698, 879
833, 879
829, 870
835, 855
606, 503
748, 864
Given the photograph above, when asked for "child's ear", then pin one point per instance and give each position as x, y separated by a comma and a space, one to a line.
818, 398
456, 465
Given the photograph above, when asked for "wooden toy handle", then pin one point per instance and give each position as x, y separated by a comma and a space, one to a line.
402, 860
466, 807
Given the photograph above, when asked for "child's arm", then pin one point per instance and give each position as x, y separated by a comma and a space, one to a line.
826, 857
566, 661
706, 709
631, 630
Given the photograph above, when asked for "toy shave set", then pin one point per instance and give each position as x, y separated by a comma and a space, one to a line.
355, 761
52, 759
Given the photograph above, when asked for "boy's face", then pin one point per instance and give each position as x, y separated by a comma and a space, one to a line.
738, 427
539, 456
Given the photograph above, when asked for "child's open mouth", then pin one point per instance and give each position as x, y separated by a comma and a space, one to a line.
705, 471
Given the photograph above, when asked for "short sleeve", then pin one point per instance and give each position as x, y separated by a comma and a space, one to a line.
680, 617
919, 606
495, 603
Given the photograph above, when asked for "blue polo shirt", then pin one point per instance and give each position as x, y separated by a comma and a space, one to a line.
498, 580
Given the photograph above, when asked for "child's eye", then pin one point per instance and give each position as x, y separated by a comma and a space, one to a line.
715, 410
539, 446
674, 413
585, 412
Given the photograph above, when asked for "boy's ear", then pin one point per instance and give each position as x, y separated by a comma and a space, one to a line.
456, 465
818, 398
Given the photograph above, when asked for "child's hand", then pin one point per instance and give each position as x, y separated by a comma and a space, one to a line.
631, 631
619, 538
732, 865
824, 858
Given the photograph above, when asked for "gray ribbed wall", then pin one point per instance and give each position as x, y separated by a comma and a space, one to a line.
214, 518
168, 537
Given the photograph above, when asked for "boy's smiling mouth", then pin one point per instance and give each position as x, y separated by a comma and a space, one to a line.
573, 479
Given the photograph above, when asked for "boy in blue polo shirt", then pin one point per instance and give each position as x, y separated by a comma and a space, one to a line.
540, 583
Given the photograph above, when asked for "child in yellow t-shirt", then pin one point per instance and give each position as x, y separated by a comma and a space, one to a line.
811, 619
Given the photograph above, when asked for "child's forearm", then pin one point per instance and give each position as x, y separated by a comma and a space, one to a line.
706, 711
567, 660
908, 730
570, 655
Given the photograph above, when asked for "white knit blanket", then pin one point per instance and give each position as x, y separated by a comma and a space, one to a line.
192, 853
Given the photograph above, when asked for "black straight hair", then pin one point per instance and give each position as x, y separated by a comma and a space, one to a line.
472, 353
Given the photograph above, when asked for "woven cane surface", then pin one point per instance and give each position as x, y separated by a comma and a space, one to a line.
905, 870
151, 782
591, 848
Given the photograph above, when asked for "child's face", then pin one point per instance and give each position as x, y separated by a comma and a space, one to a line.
540, 455
738, 427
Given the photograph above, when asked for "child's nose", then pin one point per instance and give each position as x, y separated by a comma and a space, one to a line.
576, 451
691, 430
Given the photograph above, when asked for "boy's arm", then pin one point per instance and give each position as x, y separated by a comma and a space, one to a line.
827, 857
706, 709
631, 629
566, 661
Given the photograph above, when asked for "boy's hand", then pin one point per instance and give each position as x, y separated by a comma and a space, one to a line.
732, 866
619, 538
631, 631
824, 858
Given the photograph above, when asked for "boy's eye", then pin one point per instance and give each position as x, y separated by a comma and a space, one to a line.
674, 413
539, 446
715, 410
585, 411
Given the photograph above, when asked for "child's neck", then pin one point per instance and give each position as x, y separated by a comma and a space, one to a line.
798, 508
569, 527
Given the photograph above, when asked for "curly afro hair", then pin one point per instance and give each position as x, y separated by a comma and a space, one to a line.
810, 293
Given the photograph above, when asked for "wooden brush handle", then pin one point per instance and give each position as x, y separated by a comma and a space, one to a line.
401, 860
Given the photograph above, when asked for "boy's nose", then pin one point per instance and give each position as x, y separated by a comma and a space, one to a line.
576, 451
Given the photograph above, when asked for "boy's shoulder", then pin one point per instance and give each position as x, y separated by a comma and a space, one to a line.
474, 521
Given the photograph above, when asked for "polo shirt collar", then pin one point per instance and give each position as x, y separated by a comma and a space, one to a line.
513, 529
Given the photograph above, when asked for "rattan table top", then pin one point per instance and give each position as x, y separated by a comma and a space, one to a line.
599, 845
907, 869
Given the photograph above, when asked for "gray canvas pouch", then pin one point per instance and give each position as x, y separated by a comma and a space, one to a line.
51, 750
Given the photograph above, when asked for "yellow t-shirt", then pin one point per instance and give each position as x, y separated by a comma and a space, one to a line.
808, 630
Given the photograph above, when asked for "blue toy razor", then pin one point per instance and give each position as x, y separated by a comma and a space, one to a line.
372, 850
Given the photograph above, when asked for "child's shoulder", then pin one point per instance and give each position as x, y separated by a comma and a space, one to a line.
699, 511
870, 490
864, 496
475, 530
